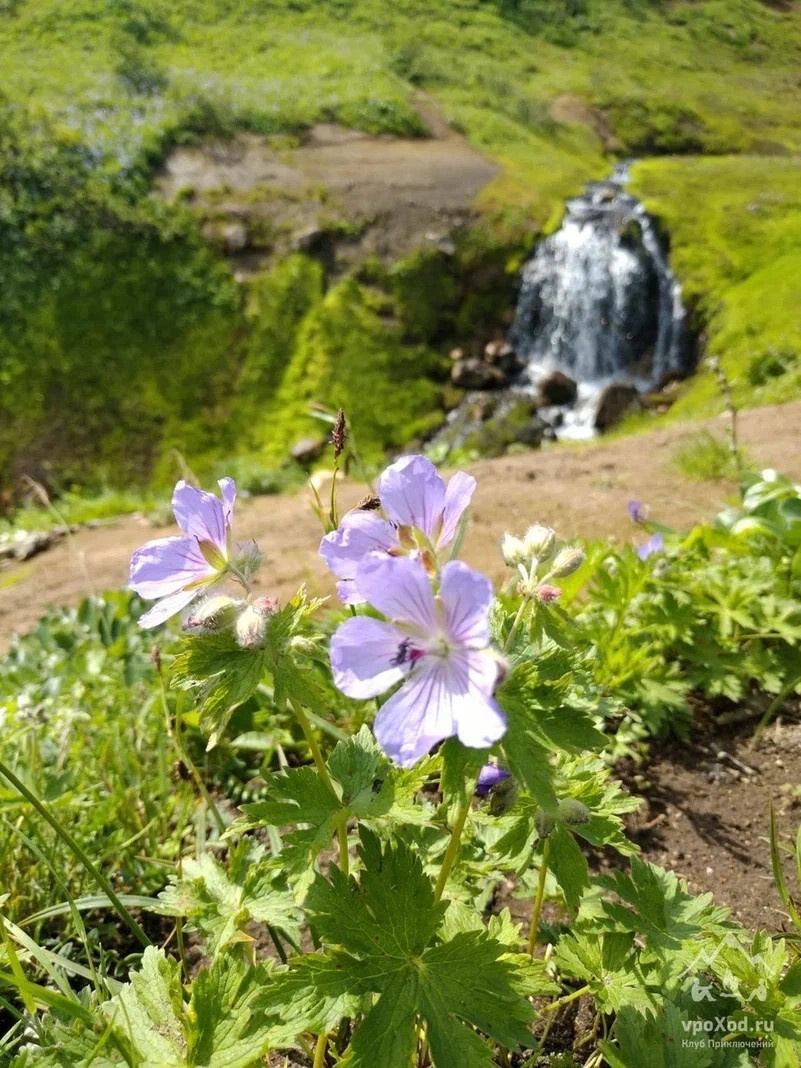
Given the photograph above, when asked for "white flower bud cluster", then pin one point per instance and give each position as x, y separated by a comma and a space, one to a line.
247, 619
539, 559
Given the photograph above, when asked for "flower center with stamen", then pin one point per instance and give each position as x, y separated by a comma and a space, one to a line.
406, 654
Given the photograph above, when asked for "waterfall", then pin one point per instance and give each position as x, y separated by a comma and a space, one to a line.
599, 302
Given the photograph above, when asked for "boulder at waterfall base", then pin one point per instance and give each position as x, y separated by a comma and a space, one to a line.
615, 402
474, 373
557, 389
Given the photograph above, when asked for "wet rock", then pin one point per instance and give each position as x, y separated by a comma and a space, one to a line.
473, 373
502, 354
558, 388
307, 450
616, 401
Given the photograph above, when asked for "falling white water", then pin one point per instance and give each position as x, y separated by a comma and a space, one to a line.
599, 302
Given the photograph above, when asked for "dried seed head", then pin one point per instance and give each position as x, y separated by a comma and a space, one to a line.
339, 433
370, 503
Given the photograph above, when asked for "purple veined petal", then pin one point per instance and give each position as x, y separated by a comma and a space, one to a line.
418, 716
480, 722
636, 511
166, 565
348, 593
466, 596
458, 494
166, 607
400, 588
489, 777
367, 656
228, 493
200, 515
359, 533
470, 678
413, 494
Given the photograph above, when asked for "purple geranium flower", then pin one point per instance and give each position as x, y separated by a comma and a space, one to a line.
489, 777
655, 544
438, 645
423, 516
175, 570
637, 512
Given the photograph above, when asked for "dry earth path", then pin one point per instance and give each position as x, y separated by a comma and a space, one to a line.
581, 490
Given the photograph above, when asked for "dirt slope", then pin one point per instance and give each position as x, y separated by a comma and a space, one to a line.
581, 490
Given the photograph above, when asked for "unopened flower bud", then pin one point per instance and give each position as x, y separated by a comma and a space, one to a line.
567, 561
248, 558
573, 812
544, 823
514, 550
211, 616
489, 777
547, 594
540, 542
251, 623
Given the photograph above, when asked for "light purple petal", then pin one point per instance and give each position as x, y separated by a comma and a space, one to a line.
362, 655
359, 533
201, 515
400, 588
458, 494
470, 679
466, 596
166, 565
655, 544
228, 493
166, 607
480, 722
418, 716
413, 494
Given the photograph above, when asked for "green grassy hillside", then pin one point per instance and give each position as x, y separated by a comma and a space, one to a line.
124, 335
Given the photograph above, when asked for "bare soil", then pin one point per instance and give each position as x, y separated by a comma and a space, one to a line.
393, 194
703, 817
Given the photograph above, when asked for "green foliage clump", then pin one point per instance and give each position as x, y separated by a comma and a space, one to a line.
735, 227
351, 354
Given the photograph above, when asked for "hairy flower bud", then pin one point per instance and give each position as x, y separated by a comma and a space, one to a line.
514, 550
539, 542
544, 823
248, 558
573, 812
211, 616
567, 561
547, 594
251, 623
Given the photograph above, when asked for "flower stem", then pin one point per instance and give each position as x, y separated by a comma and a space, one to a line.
516, 624
100, 881
537, 910
308, 732
183, 755
453, 845
319, 1051
554, 1006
